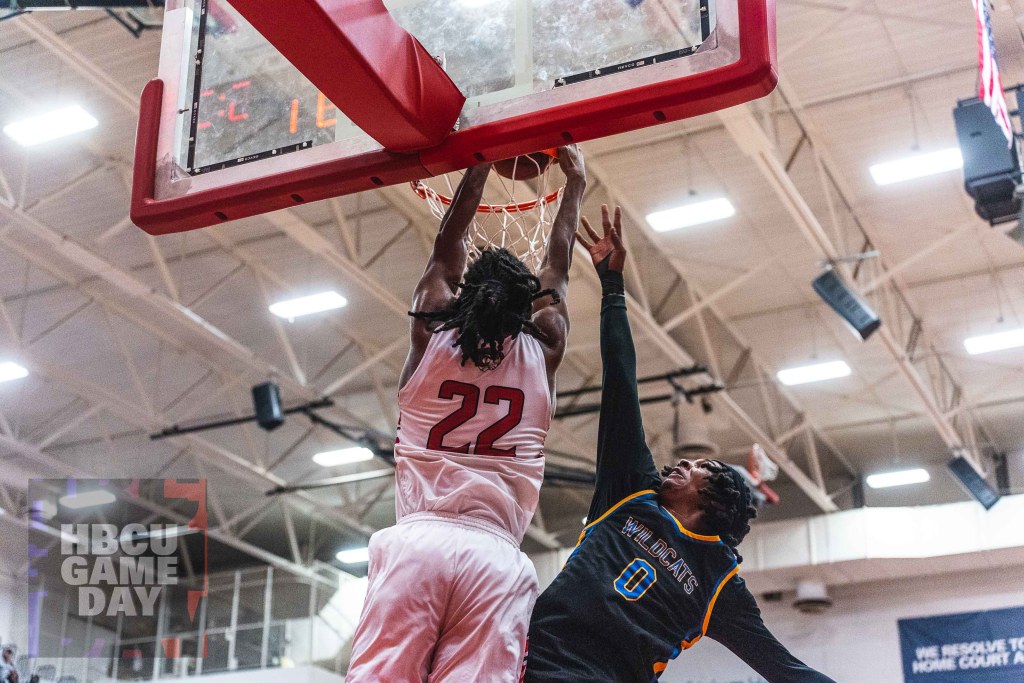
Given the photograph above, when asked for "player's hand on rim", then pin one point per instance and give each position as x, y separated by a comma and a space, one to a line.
609, 246
570, 159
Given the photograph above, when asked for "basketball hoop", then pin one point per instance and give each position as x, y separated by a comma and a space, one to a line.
519, 219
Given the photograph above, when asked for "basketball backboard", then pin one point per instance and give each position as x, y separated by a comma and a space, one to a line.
230, 128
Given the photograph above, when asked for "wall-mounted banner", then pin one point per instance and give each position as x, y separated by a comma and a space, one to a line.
981, 647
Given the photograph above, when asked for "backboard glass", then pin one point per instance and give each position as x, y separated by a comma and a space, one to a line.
230, 128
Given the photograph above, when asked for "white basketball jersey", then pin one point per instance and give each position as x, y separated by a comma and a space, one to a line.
471, 442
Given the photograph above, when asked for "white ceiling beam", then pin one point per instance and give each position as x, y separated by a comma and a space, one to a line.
655, 332
282, 335
720, 293
708, 124
920, 255
312, 241
881, 14
344, 228
79, 62
368, 362
261, 269
808, 38
68, 425
11, 328
746, 131
161, 266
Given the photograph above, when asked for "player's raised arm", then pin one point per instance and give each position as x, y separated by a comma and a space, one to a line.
448, 259
440, 281
554, 271
553, 319
624, 462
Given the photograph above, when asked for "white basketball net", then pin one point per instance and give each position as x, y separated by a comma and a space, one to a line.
522, 224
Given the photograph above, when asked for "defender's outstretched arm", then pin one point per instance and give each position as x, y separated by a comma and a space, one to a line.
624, 462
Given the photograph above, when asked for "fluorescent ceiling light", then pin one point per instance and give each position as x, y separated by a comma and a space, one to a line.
345, 456
999, 341
50, 126
9, 371
354, 556
885, 480
814, 373
88, 499
691, 214
317, 303
917, 166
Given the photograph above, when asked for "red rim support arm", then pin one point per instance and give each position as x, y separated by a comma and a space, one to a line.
367, 65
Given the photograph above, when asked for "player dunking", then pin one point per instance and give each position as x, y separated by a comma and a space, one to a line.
656, 568
450, 592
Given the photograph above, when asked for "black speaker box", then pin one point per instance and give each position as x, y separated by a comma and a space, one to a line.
844, 301
267, 399
991, 167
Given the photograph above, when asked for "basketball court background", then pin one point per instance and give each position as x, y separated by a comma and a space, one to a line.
124, 335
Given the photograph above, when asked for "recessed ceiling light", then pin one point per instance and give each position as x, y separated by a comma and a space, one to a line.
691, 214
885, 480
344, 456
354, 556
917, 166
999, 341
316, 303
50, 126
88, 499
814, 373
11, 371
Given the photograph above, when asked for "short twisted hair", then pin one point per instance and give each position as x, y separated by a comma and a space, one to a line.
495, 302
727, 504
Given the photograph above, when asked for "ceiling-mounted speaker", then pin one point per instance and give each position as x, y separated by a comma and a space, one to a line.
266, 398
975, 484
844, 301
991, 166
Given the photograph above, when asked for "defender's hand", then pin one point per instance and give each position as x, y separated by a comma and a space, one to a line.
609, 246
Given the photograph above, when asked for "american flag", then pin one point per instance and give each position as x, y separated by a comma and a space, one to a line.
991, 86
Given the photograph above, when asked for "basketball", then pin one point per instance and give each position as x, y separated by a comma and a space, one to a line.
524, 167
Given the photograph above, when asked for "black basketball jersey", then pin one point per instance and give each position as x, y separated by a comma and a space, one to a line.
638, 589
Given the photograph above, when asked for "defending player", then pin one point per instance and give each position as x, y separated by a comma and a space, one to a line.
450, 592
656, 569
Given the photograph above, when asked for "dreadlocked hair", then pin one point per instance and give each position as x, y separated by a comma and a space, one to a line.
727, 504
495, 303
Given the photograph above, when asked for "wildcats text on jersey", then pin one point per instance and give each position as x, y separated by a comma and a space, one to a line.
662, 552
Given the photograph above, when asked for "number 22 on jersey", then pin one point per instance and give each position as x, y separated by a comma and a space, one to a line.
470, 396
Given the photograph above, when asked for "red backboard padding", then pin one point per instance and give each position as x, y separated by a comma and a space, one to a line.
370, 68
